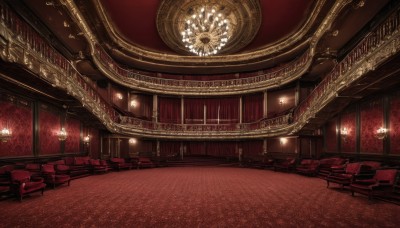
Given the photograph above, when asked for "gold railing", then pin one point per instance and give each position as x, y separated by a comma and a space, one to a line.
23, 45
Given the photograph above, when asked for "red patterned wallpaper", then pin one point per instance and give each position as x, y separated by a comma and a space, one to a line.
371, 120
18, 118
331, 136
275, 145
94, 147
73, 129
394, 128
49, 125
348, 121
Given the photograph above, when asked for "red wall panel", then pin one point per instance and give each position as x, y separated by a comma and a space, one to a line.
331, 136
252, 148
73, 129
275, 107
281, 145
371, 115
348, 121
394, 128
49, 125
18, 118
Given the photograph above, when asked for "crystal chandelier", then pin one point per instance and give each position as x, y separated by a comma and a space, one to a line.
205, 31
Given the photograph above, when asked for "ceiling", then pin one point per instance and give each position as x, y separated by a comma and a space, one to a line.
135, 21
127, 30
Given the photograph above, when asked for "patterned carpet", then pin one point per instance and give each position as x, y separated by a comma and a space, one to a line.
197, 197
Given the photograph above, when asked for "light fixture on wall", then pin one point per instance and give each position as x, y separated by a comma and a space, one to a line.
134, 103
283, 141
119, 96
132, 141
282, 101
86, 139
381, 133
206, 30
5, 134
344, 133
62, 134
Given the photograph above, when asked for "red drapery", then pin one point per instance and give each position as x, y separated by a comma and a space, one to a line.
221, 149
195, 148
253, 107
169, 110
252, 148
170, 148
194, 110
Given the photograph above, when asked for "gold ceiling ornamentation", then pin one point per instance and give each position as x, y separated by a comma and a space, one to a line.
208, 27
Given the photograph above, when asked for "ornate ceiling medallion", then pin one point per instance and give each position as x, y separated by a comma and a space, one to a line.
208, 27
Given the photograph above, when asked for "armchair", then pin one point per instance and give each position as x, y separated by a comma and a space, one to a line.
381, 184
23, 185
49, 173
142, 162
97, 166
120, 163
346, 177
286, 165
308, 167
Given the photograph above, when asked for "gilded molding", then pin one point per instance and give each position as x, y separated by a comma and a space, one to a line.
376, 48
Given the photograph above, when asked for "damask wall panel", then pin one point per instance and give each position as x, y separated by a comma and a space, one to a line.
93, 149
124, 148
18, 117
371, 115
394, 128
348, 121
281, 145
73, 129
331, 136
49, 125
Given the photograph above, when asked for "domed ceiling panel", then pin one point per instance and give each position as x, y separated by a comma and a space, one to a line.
136, 22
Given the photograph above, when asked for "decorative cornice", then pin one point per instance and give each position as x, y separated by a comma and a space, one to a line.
22, 45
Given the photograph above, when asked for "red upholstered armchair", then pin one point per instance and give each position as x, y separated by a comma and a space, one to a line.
308, 167
286, 165
49, 173
142, 162
34, 169
5, 175
98, 166
23, 185
120, 163
346, 177
379, 185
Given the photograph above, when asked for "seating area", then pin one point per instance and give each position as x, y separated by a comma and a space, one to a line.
21, 179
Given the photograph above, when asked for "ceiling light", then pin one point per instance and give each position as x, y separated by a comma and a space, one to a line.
205, 31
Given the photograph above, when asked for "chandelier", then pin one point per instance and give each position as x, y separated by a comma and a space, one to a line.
205, 31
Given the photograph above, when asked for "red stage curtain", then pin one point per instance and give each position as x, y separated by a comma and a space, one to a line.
194, 110
170, 148
252, 148
253, 107
169, 110
226, 110
195, 148
221, 149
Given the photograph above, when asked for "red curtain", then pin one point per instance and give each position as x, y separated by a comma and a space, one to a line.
252, 148
253, 107
229, 110
169, 110
221, 149
194, 110
170, 148
195, 148
144, 109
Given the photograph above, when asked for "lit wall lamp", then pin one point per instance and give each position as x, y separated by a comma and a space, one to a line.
344, 133
62, 134
283, 141
86, 140
282, 101
381, 133
5, 134
119, 96
134, 103
132, 141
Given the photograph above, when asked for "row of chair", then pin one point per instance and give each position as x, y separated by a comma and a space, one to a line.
33, 177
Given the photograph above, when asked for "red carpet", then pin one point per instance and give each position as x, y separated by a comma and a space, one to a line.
197, 197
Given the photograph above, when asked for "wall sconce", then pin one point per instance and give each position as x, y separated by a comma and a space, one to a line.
86, 140
119, 96
134, 103
132, 141
282, 101
344, 133
5, 135
283, 141
62, 134
381, 133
